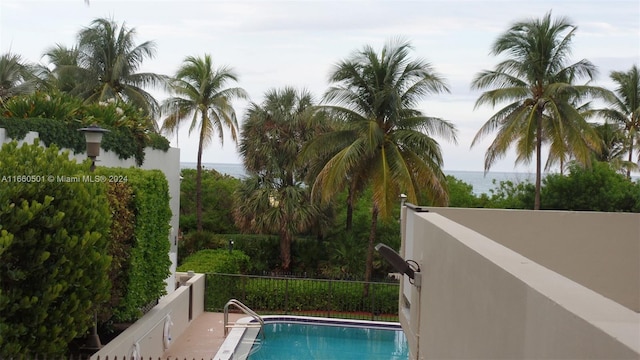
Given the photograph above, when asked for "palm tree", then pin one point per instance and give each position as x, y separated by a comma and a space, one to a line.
109, 60
275, 199
385, 141
625, 109
571, 140
16, 76
534, 82
613, 145
202, 96
63, 72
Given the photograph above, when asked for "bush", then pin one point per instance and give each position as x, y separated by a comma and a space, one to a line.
55, 116
53, 250
510, 195
217, 201
286, 295
121, 240
598, 188
149, 261
216, 261
461, 194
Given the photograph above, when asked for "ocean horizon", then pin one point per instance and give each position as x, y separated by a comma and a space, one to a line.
482, 183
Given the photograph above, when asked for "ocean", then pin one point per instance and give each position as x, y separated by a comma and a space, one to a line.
481, 183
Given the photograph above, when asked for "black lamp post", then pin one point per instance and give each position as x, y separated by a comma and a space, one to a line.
93, 135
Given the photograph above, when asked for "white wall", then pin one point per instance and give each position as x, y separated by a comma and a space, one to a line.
148, 333
167, 162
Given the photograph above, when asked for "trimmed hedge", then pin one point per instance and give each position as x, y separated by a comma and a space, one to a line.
53, 250
220, 260
285, 295
149, 264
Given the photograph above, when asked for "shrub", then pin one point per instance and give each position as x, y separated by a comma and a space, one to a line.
217, 201
599, 188
125, 141
216, 261
53, 251
121, 239
461, 194
149, 261
286, 295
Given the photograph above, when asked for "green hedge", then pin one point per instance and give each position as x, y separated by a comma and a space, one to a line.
286, 295
149, 258
53, 250
121, 239
123, 141
220, 260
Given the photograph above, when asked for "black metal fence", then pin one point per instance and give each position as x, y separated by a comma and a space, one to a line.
303, 296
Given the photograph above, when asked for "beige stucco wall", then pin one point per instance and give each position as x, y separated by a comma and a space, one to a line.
598, 250
148, 332
479, 299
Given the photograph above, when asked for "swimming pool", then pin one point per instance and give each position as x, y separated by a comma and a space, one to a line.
299, 337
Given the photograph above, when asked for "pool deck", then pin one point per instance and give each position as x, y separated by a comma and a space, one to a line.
202, 339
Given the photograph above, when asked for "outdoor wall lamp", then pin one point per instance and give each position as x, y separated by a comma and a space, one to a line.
407, 267
93, 136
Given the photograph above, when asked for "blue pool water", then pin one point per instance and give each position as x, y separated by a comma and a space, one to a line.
334, 340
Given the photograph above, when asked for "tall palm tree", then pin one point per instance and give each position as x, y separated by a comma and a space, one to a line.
534, 82
16, 76
625, 109
385, 141
109, 60
202, 97
275, 198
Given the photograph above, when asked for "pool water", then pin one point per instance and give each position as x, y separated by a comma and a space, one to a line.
285, 341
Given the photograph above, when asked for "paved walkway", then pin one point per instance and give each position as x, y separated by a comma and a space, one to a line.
202, 339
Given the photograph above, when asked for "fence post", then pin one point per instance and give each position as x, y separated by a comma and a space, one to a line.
329, 299
286, 296
373, 303
243, 281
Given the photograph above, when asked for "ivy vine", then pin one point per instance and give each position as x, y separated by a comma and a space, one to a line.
121, 140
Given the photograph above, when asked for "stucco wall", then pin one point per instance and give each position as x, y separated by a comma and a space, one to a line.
598, 250
479, 299
168, 162
147, 335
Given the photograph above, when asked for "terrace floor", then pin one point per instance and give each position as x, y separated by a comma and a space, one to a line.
202, 339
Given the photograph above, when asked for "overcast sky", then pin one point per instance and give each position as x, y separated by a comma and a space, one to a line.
272, 44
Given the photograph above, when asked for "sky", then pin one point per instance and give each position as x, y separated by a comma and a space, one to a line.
272, 44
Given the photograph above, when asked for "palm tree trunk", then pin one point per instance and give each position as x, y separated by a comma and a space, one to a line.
372, 238
630, 153
285, 249
349, 221
199, 187
536, 205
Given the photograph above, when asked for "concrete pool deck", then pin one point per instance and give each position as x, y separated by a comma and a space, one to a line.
202, 339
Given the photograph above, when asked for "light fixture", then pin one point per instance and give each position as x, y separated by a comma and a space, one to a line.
406, 267
93, 136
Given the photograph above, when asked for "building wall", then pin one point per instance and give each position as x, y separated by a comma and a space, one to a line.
479, 299
167, 162
147, 336
598, 250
